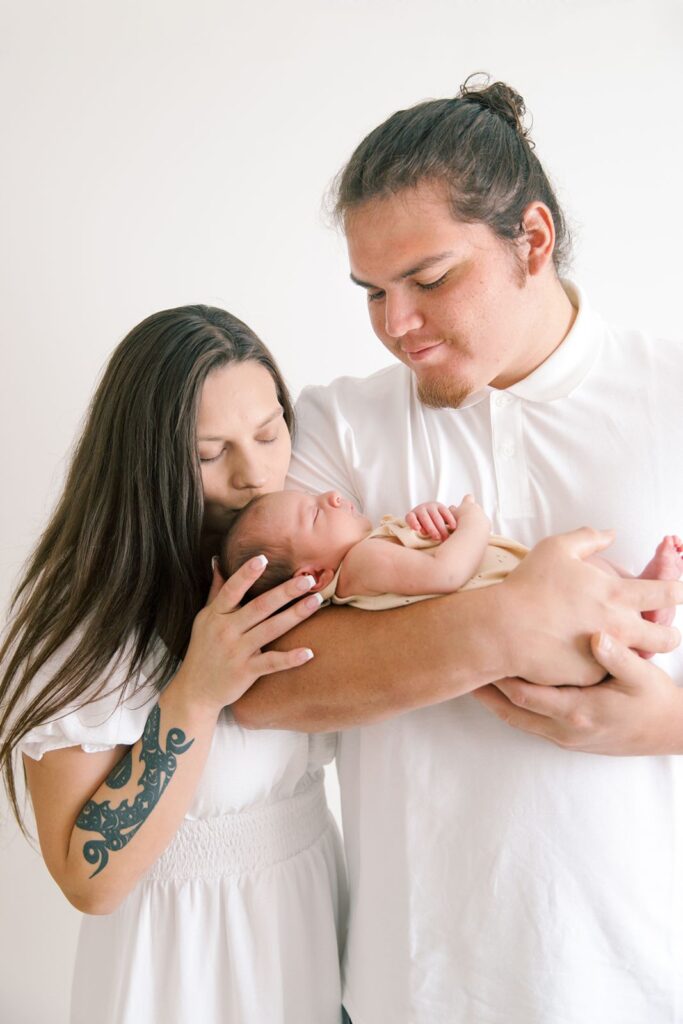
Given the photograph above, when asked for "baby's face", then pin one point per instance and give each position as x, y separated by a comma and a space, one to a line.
319, 528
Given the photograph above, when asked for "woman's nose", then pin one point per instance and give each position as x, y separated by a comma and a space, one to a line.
248, 473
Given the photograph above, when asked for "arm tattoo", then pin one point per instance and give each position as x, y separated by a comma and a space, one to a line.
118, 825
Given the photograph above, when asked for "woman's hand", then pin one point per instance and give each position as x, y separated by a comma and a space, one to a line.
225, 653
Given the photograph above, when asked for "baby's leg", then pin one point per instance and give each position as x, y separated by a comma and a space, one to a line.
666, 564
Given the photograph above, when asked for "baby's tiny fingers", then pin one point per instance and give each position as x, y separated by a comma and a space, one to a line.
427, 524
439, 524
448, 517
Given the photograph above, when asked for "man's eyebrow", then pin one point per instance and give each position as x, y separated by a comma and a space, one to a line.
269, 419
425, 264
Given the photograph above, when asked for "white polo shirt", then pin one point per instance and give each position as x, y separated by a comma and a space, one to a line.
495, 878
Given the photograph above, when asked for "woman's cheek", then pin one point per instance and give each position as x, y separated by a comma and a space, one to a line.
281, 461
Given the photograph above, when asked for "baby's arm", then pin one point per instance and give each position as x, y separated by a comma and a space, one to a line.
378, 567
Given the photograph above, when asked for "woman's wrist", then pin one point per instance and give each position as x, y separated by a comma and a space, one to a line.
185, 700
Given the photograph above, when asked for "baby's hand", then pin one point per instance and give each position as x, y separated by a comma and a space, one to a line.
468, 510
432, 519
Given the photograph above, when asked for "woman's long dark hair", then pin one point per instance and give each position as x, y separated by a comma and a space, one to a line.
119, 562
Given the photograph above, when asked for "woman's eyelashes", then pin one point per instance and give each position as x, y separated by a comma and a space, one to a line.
259, 440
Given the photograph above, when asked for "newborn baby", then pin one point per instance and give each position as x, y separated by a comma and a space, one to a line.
436, 549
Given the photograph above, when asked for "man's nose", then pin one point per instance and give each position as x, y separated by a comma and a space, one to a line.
401, 316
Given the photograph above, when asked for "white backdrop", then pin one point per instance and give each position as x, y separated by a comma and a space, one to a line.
158, 152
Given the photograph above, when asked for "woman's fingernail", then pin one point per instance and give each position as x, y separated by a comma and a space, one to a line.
314, 601
605, 643
305, 582
258, 562
214, 563
305, 655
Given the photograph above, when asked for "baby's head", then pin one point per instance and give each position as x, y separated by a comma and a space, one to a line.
299, 533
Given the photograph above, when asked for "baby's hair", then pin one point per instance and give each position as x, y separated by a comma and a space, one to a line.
242, 542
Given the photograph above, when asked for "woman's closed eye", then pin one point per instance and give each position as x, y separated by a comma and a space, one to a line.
259, 440
212, 458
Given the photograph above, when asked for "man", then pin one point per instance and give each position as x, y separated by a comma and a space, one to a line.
497, 878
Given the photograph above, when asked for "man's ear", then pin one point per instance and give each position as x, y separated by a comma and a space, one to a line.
321, 576
539, 237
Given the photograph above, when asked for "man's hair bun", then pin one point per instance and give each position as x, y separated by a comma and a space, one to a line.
499, 98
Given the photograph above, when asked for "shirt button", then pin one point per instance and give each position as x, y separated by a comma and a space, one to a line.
501, 400
507, 449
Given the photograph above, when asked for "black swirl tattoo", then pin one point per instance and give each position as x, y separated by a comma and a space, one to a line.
118, 825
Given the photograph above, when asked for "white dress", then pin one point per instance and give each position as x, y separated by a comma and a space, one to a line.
241, 920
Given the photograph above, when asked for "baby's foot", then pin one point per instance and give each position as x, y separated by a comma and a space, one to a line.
666, 564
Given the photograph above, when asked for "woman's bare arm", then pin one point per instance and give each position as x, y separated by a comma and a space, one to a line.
536, 624
104, 818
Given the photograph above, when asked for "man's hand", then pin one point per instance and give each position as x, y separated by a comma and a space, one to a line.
637, 711
555, 600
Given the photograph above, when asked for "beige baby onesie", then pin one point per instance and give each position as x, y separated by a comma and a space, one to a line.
500, 558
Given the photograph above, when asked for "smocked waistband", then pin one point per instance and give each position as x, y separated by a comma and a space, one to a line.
246, 841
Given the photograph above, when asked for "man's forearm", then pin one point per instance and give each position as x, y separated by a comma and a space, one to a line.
537, 625
372, 665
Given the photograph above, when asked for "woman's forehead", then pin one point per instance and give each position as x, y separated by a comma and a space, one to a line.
237, 398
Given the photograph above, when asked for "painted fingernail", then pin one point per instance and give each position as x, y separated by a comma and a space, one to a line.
214, 563
305, 582
605, 643
314, 601
258, 562
305, 655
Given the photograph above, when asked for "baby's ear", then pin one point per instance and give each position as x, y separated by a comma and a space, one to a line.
321, 576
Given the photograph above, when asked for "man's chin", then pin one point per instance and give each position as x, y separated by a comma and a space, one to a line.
442, 393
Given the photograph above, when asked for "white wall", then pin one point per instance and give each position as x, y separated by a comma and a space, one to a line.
158, 152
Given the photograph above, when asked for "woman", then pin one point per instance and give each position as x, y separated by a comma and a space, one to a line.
203, 855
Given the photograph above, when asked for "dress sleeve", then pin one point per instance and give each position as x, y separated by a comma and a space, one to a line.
117, 716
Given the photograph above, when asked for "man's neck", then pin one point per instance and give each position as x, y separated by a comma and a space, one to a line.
553, 318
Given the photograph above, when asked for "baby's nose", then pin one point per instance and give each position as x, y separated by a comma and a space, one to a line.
333, 499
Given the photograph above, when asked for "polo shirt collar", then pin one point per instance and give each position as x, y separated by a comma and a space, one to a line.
569, 364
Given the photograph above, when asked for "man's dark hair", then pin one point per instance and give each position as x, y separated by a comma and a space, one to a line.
475, 143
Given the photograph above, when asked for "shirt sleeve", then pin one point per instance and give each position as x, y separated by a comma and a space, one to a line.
322, 459
116, 716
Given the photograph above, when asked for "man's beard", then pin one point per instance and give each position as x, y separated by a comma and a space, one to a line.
442, 393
